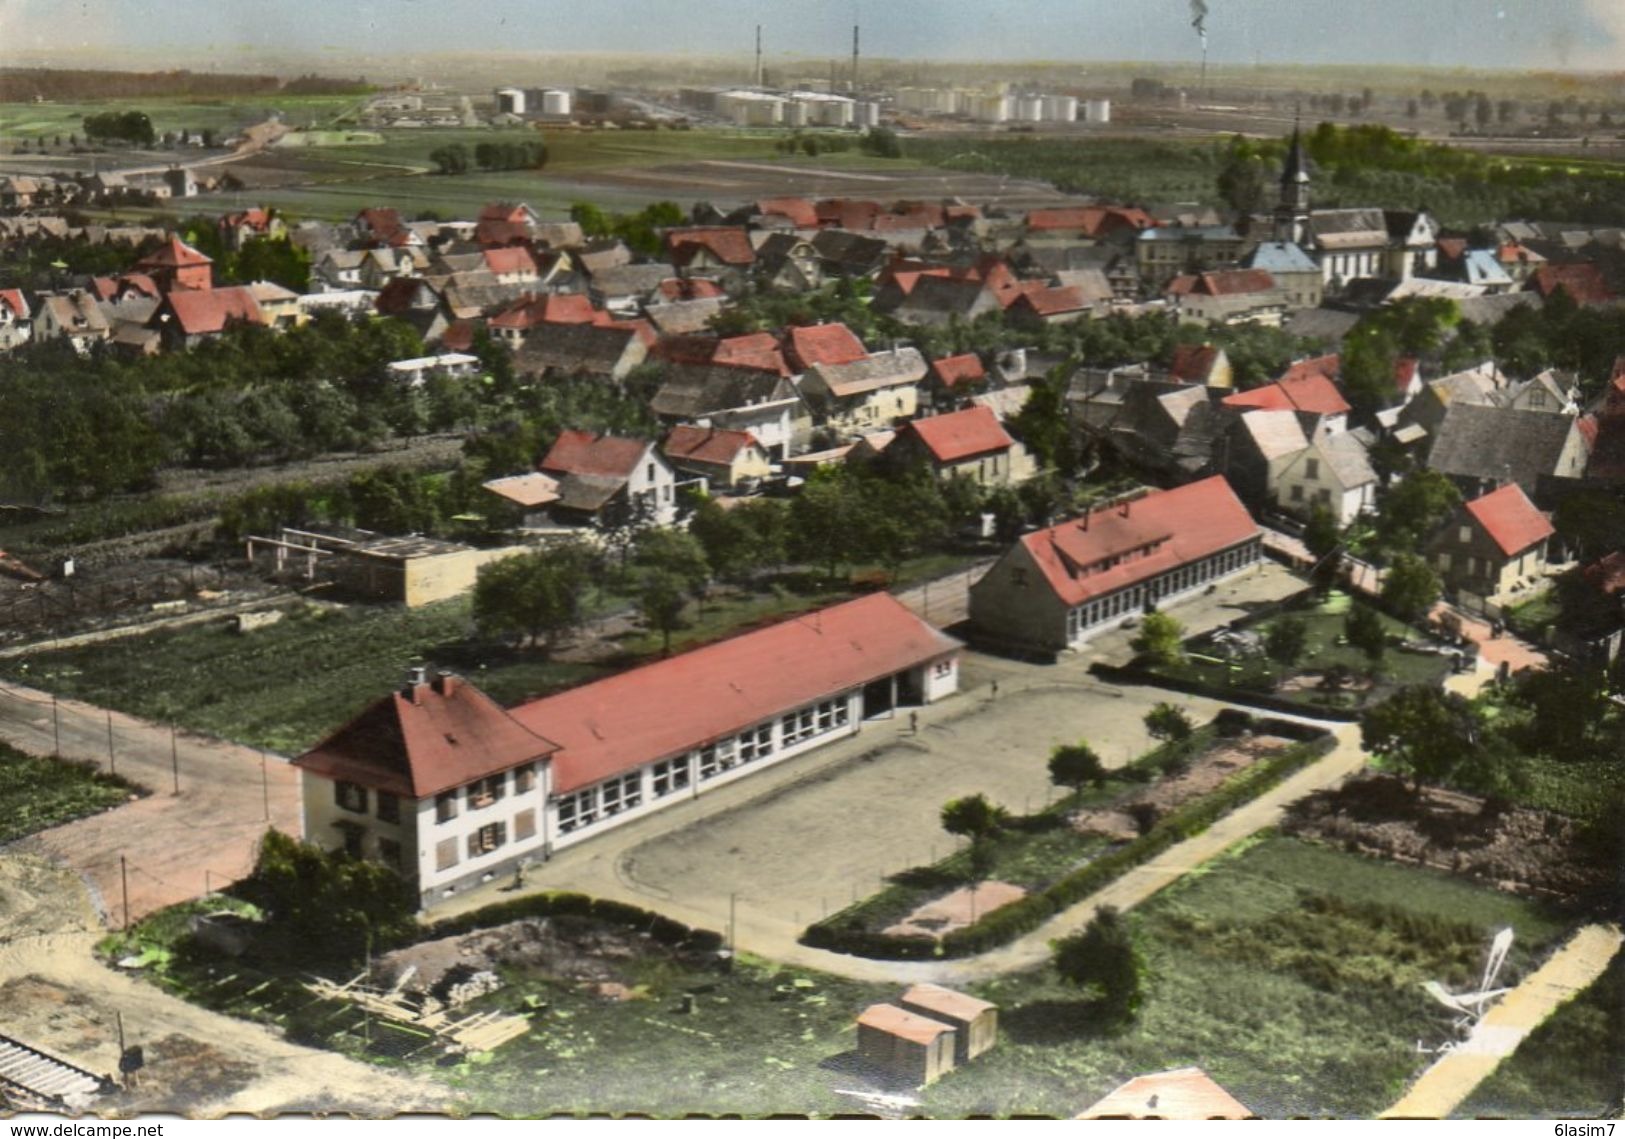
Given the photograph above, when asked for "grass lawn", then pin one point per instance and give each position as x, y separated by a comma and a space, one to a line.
1529, 619
36, 793
1584, 790
1573, 1065
1291, 972
1326, 649
222, 115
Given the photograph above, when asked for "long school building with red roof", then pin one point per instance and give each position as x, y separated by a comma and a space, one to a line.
1056, 588
453, 790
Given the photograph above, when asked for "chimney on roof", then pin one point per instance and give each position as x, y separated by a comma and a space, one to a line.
417, 676
1123, 507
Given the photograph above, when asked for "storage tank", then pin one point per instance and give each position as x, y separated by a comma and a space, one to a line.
866, 115
1030, 109
510, 101
990, 108
1098, 111
1060, 108
555, 102
795, 114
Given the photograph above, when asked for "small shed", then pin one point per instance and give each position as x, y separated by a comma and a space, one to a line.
975, 1022
913, 1048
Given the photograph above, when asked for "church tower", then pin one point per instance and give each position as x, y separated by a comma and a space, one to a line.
1292, 210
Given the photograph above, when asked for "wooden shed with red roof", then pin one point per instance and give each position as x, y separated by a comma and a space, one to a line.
905, 1045
1493, 544
1057, 587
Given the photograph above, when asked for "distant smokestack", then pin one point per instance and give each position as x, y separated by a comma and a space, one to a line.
758, 55
854, 59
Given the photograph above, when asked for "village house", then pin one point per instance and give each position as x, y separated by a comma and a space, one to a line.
176, 265
607, 349
186, 318
727, 460
760, 401
1480, 447
1492, 545
808, 345
969, 444
1333, 473
875, 391
789, 263
1257, 447
16, 319
1040, 304
1308, 388
1205, 364
953, 380
718, 251
524, 498
1057, 587
608, 480
241, 226
1227, 296
74, 316
1165, 252
441, 782
1294, 272
278, 305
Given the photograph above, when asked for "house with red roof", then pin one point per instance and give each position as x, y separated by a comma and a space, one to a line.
176, 265
188, 317
452, 789
516, 321
1092, 222
1057, 587
952, 380
689, 289
1227, 296
971, 444
710, 250
1306, 388
821, 344
1494, 545
16, 319
1583, 281
875, 391
610, 480
1037, 303
242, 226
1204, 364
727, 460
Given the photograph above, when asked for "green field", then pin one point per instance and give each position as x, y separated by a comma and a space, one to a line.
37, 793
46, 120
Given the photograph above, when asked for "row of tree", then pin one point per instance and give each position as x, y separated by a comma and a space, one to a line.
457, 158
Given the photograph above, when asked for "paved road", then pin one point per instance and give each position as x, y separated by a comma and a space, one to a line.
174, 846
1446, 1085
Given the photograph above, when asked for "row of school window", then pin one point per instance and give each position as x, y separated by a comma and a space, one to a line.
671, 776
1134, 599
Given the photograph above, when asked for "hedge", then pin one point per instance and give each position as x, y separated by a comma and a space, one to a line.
565, 903
842, 932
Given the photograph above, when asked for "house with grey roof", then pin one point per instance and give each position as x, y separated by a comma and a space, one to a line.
873, 392
756, 400
1333, 473
608, 351
1163, 252
1255, 448
1481, 447
1295, 272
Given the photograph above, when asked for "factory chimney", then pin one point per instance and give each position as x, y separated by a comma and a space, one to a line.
758, 57
854, 59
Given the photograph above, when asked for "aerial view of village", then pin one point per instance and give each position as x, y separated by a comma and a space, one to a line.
952, 559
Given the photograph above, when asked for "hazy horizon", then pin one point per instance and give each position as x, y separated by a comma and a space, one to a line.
315, 34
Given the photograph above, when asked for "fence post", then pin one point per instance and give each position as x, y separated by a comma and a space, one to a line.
112, 761
174, 759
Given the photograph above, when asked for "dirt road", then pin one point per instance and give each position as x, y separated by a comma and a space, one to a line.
55, 995
172, 846
1446, 1085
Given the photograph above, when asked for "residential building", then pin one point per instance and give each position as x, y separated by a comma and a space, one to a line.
1165, 252
759, 401
727, 460
74, 316
526, 498
176, 265
1492, 545
1205, 364
16, 319
831, 344
971, 443
1481, 447
609, 480
953, 380
1308, 388
607, 350
1333, 473
1057, 587
862, 395
710, 251
186, 318
241, 226
1295, 273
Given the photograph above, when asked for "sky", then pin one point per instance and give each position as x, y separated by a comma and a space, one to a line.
1517, 34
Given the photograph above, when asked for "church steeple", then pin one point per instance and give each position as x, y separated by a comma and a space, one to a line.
1292, 209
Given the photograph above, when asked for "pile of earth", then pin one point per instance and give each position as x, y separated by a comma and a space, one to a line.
1519, 849
1136, 812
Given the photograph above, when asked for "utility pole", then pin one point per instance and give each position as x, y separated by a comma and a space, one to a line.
124, 881
112, 763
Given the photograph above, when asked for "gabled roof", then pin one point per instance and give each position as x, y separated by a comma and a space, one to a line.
1183, 1093
173, 254
1276, 434
1510, 519
960, 435
1091, 221
511, 259
584, 453
1348, 229
672, 706
1582, 280
881, 370
1050, 300
1194, 363
945, 1003
551, 308
596, 348
1280, 257
75, 312
729, 244
799, 211
752, 350
201, 312
823, 344
689, 289
15, 303
951, 371
709, 445
1312, 392
1222, 283
693, 391
847, 213
426, 739
1347, 458
1499, 443
1116, 546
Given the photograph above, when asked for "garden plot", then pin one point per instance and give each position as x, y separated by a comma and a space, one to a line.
1121, 820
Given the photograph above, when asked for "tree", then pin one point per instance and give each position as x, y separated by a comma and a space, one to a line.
662, 596
1410, 587
1321, 535
1169, 723
976, 818
1287, 640
1073, 765
1364, 630
1102, 960
882, 142
1242, 183
327, 904
537, 594
1161, 639
1414, 507
1421, 733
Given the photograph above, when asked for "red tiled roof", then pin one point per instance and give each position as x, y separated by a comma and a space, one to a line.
951, 371
172, 254
707, 444
431, 738
1223, 283
1091, 221
823, 344
1312, 392
800, 211
1582, 280
13, 300
1607, 574
1159, 532
690, 289
203, 311
672, 706
103, 288
551, 308
492, 233
1510, 519
1330, 366
901, 1023
255, 218
510, 259
637, 325
847, 213
758, 350
583, 453
1589, 428
1193, 363
381, 221
1051, 300
459, 335
946, 1003
729, 244
1405, 372
1452, 247
503, 211
1514, 252
960, 435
